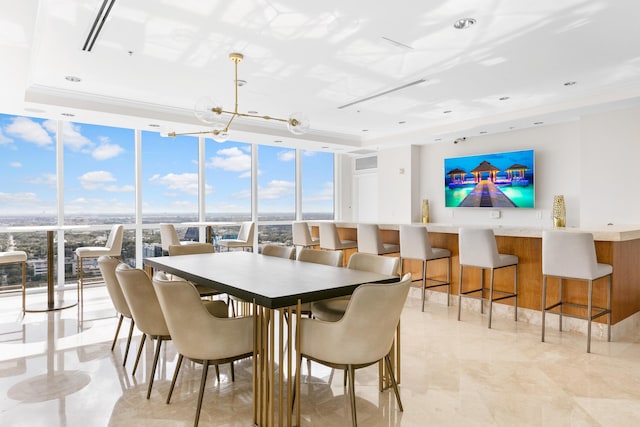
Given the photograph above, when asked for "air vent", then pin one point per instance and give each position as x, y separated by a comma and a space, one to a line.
366, 163
386, 92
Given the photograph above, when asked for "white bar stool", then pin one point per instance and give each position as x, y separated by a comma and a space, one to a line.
572, 255
302, 235
17, 257
370, 241
330, 239
478, 248
415, 244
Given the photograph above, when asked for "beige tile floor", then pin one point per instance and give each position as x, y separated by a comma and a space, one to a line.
57, 372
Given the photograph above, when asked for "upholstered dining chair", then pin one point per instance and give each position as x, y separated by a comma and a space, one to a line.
349, 344
370, 241
191, 249
279, 251
333, 258
302, 236
217, 340
108, 267
332, 310
169, 236
572, 255
244, 239
113, 248
478, 248
17, 257
415, 244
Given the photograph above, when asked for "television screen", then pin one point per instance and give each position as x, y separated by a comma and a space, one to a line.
499, 180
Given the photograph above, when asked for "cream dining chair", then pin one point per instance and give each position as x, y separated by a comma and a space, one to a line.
169, 237
572, 255
192, 249
415, 244
112, 248
108, 267
244, 238
20, 258
330, 239
217, 340
279, 251
349, 344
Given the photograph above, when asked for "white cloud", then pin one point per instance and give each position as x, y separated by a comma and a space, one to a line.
286, 156
107, 151
48, 179
15, 164
244, 194
4, 139
96, 179
181, 183
18, 199
73, 138
326, 193
231, 159
308, 153
29, 131
276, 189
122, 189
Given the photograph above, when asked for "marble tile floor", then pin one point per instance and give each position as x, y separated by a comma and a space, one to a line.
55, 371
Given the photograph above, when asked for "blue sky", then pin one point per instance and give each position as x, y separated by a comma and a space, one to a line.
100, 172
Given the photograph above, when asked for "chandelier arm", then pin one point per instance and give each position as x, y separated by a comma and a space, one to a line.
204, 132
255, 116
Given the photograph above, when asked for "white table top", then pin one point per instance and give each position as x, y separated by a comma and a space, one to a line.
273, 282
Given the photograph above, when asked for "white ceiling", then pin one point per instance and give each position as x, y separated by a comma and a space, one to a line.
155, 58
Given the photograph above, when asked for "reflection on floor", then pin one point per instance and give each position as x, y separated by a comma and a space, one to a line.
57, 372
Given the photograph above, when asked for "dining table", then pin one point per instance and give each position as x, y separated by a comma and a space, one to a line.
276, 288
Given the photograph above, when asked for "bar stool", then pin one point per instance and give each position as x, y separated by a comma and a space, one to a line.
17, 257
329, 238
370, 242
415, 244
302, 235
478, 248
572, 255
112, 248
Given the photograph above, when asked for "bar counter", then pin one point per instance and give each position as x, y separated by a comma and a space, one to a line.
618, 245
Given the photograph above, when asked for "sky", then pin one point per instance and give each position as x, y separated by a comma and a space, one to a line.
99, 172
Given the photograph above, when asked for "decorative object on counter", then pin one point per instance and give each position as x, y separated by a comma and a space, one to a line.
425, 210
559, 211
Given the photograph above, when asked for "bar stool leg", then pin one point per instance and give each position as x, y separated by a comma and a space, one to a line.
490, 296
482, 290
424, 281
460, 292
560, 301
590, 315
448, 281
515, 291
609, 310
24, 287
544, 302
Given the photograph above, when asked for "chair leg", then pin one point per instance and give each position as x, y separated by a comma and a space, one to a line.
424, 281
153, 367
126, 350
560, 307
80, 279
393, 381
352, 394
490, 296
217, 373
482, 291
175, 377
115, 338
589, 313
203, 381
544, 302
448, 281
135, 365
515, 291
233, 373
24, 288
609, 309
460, 292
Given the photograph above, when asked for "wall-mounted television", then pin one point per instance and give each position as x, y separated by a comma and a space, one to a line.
497, 180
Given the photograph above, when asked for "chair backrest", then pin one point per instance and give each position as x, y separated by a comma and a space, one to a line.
329, 237
369, 240
195, 332
190, 249
143, 302
372, 307
374, 263
246, 231
477, 247
107, 267
279, 251
333, 258
168, 236
114, 241
414, 242
569, 254
301, 234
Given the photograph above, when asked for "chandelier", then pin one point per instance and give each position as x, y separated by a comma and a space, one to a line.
210, 112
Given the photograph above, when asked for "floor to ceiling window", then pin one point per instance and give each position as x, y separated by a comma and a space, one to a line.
317, 185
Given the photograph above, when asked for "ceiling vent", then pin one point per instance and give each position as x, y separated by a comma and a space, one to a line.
366, 163
362, 151
98, 23
386, 92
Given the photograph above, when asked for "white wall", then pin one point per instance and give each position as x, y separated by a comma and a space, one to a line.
594, 162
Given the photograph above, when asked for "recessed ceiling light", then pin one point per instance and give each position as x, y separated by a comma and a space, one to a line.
402, 122
503, 98
74, 79
252, 112
538, 123
325, 146
68, 114
483, 132
154, 125
438, 139
569, 83
365, 130
446, 112
241, 83
512, 127
464, 23
278, 141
